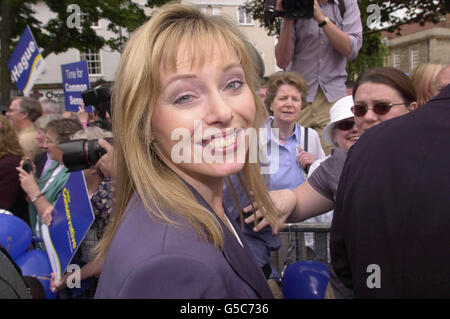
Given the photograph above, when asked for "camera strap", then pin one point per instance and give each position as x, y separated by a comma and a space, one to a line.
341, 5
305, 145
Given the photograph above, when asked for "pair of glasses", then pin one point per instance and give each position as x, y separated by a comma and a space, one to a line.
345, 125
379, 108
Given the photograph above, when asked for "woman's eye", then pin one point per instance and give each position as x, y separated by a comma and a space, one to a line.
183, 99
234, 85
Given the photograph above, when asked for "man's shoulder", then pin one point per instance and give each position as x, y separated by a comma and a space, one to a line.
26, 132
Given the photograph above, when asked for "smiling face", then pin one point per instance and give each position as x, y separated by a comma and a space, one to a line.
286, 105
345, 138
212, 104
369, 94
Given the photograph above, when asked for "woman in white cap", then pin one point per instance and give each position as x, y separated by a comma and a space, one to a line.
341, 132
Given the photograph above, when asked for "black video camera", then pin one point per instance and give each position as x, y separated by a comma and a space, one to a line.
82, 154
293, 9
100, 98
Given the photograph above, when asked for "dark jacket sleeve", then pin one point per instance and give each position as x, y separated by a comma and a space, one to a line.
10, 189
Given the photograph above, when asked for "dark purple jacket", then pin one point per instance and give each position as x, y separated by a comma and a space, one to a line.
151, 259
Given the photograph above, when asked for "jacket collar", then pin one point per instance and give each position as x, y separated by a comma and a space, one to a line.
240, 258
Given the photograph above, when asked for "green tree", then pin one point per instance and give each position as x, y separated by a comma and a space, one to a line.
373, 50
56, 35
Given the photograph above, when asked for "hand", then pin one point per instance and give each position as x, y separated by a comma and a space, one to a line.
47, 216
83, 116
284, 201
318, 14
33, 167
27, 181
57, 286
304, 158
105, 163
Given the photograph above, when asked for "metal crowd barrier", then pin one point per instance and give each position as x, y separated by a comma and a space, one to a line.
293, 246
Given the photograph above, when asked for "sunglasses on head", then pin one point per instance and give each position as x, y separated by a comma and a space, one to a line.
379, 108
345, 125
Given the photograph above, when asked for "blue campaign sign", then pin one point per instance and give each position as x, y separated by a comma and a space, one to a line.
75, 78
26, 62
72, 218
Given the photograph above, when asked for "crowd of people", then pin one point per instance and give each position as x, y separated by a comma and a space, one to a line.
369, 162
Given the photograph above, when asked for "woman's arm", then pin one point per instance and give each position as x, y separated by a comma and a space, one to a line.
284, 48
31, 188
89, 270
293, 206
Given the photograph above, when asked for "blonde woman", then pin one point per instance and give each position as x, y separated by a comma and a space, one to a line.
423, 76
170, 237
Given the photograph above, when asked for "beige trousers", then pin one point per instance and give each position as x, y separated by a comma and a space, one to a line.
316, 115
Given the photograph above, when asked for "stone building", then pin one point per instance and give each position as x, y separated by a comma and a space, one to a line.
417, 44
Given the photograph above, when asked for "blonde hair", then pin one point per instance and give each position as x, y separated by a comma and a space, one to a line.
423, 77
140, 167
9, 140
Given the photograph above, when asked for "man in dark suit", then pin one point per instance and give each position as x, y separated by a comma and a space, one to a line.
391, 228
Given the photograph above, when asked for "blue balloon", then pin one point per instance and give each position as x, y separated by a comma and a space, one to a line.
15, 235
35, 263
305, 280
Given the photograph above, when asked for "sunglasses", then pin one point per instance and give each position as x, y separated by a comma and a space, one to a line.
379, 108
345, 125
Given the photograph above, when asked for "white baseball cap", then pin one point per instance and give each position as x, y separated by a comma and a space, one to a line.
341, 110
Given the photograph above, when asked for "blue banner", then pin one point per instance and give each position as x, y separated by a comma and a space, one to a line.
75, 78
72, 218
26, 62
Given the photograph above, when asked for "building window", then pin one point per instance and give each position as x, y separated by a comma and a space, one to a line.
211, 10
216, 11
414, 58
396, 60
244, 17
94, 61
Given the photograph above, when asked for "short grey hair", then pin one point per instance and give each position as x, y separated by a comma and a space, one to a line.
30, 106
43, 120
51, 107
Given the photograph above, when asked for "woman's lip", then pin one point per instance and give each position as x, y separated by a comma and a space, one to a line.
225, 134
223, 144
